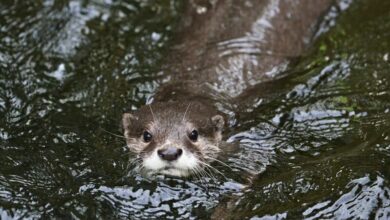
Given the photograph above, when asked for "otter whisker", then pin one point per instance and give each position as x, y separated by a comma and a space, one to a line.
212, 168
128, 153
131, 150
134, 149
220, 162
198, 174
208, 173
134, 163
154, 118
194, 172
202, 172
140, 168
116, 135
133, 166
185, 112
135, 160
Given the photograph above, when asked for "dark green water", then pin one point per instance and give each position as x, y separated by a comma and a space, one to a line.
68, 69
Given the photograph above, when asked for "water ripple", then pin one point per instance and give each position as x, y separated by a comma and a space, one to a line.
367, 198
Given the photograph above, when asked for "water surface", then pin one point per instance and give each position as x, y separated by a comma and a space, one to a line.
318, 139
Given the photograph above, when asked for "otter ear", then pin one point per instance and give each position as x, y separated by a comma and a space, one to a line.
218, 122
126, 122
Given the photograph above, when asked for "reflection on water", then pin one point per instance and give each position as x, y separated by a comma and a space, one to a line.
169, 198
366, 198
323, 156
317, 138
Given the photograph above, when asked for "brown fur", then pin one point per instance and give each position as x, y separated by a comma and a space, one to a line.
223, 48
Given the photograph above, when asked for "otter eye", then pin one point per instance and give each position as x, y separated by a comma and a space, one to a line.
193, 135
147, 136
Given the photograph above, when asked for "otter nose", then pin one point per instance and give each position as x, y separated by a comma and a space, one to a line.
170, 153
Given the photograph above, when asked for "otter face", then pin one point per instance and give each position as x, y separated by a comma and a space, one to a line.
175, 139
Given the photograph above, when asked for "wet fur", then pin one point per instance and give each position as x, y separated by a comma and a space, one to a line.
227, 51
170, 123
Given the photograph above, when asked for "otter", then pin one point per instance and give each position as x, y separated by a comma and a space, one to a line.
174, 138
222, 49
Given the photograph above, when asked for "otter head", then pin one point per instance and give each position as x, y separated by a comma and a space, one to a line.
173, 138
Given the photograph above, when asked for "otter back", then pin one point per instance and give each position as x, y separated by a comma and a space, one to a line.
233, 45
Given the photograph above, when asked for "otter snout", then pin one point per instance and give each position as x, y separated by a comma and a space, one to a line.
170, 153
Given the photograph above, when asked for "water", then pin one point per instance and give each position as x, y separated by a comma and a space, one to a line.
317, 139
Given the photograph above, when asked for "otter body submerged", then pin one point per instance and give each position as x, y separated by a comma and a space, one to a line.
223, 49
